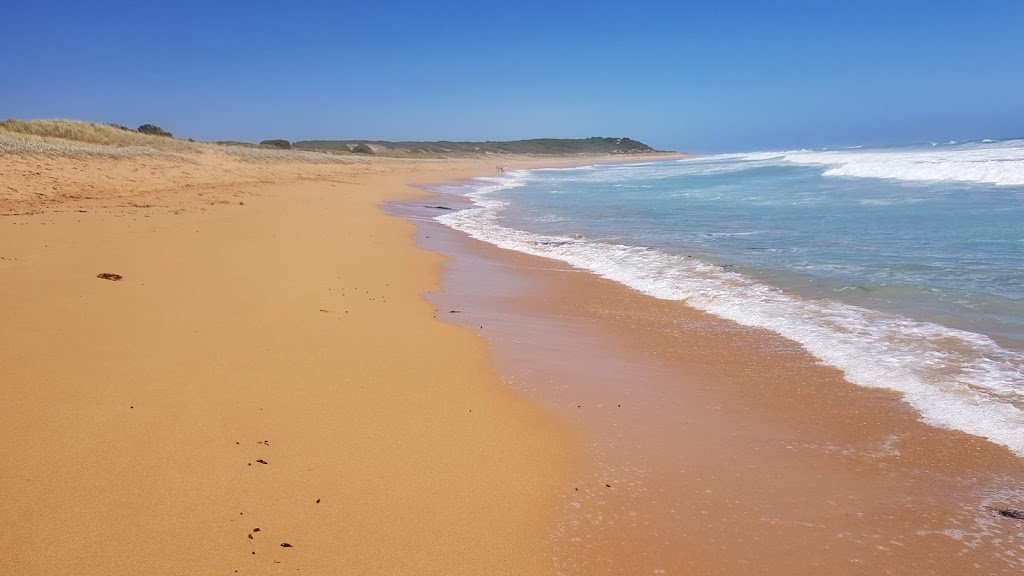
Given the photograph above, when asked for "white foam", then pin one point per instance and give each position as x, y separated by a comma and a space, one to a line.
955, 379
998, 163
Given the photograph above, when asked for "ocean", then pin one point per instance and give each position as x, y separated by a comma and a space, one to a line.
901, 266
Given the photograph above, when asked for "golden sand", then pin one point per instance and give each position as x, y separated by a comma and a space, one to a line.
264, 373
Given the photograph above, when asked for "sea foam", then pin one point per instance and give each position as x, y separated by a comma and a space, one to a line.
998, 163
954, 378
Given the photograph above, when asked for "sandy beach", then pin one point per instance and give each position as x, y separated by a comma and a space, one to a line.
263, 391
289, 378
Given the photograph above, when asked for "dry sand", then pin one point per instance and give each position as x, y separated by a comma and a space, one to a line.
265, 373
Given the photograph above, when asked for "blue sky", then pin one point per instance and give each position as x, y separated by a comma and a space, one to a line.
697, 76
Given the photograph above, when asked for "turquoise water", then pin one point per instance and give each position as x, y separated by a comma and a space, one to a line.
951, 252
903, 266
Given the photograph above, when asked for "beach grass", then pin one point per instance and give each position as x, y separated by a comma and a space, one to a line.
76, 138
87, 133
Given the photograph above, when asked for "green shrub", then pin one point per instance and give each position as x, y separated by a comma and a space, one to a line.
153, 130
282, 144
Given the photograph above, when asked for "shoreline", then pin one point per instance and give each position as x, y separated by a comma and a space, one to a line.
819, 473
258, 304
880, 336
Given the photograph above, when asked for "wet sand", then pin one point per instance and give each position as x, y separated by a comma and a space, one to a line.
719, 449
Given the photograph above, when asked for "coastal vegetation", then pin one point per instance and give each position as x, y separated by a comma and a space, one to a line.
72, 138
151, 137
538, 146
89, 133
282, 144
154, 130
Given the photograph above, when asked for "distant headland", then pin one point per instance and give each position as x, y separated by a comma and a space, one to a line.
151, 135
536, 146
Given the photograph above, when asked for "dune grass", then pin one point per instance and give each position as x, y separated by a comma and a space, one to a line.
87, 133
70, 138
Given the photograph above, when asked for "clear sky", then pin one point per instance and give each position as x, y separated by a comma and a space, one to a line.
697, 76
